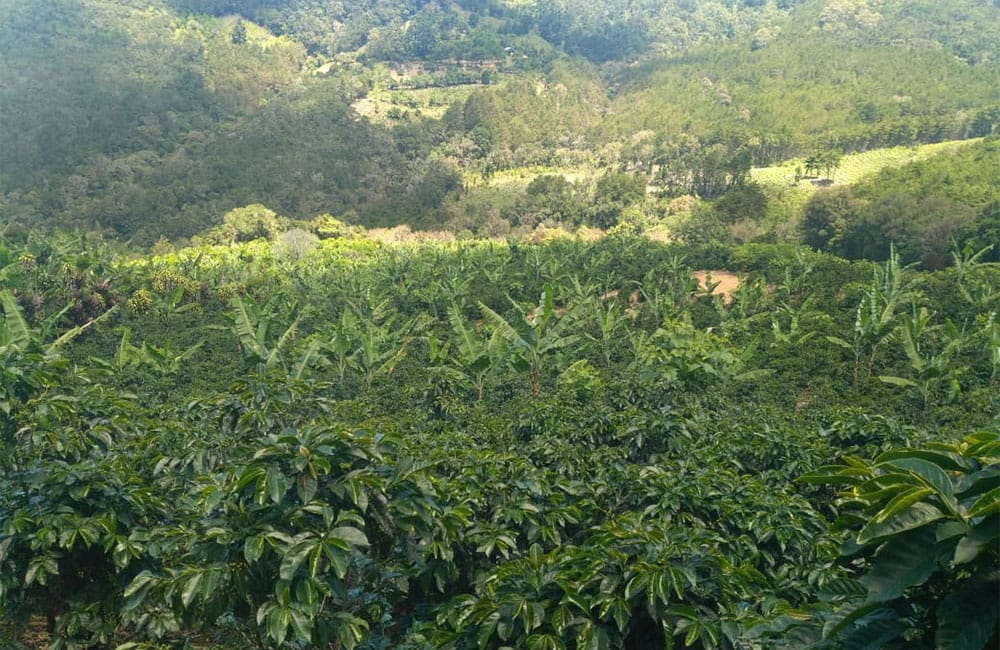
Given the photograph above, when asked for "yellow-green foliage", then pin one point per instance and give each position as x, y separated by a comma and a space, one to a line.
788, 195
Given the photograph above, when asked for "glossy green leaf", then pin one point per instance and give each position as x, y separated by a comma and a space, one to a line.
916, 515
253, 548
293, 559
487, 629
190, 589
837, 474
984, 534
275, 484
350, 534
933, 475
988, 504
593, 637
873, 631
636, 585
39, 569
902, 500
844, 587
842, 619
976, 483
904, 561
302, 626
562, 618
946, 460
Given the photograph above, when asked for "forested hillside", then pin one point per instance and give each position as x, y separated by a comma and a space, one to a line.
500, 324
144, 120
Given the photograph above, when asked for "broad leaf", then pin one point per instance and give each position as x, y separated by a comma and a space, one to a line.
16, 330
294, 558
933, 475
904, 561
986, 505
967, 618
350, 535
947, 460
898, 381
983, 534
915, 516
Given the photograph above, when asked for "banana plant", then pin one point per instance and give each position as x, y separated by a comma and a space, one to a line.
164, 361
367, 340
380, 346
991, 332
666, 292
252, 324
930, 371
533, 335
161, 361
681, 285
473, 354
171, 304
126, 355
977, 291
338, 349
875, 319
797, 316
15, 331
380, 349
611, 323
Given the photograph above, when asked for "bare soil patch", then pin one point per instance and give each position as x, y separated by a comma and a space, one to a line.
727, 282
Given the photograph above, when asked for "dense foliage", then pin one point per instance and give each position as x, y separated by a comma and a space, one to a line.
924, 208
154, 119
566, 445
245, 402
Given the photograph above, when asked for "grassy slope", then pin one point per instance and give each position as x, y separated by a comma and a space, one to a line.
780, 178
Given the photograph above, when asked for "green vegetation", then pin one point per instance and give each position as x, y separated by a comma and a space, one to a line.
924, 207
440, 445
149, 120
500, 324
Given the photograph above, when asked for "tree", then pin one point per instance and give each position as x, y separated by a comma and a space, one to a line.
875, 320
615, 192
828, 216
550, 196
247, 224
745, 201
983, 232
239, 33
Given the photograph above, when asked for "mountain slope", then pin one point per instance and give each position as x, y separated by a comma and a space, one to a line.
155, 118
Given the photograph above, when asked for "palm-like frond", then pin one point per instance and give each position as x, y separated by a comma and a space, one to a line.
245, 331
274, 356
15, 329
504, 329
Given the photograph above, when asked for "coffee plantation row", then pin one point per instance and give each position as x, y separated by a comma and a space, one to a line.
565, 445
